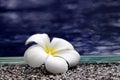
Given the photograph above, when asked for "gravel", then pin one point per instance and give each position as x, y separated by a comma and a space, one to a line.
83, 71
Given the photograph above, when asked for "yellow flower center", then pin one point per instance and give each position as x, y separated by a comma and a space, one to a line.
50, 50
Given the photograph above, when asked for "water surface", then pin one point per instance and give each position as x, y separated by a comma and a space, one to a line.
93, 27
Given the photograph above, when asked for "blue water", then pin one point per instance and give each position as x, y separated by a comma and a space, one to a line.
92, 26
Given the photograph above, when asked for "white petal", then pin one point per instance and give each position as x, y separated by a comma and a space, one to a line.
41, 39
71, 56
35, 56
60, 44
56, 65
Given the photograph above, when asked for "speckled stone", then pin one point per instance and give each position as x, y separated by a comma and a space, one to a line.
83, 71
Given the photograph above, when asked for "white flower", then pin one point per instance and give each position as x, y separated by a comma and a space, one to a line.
57, 55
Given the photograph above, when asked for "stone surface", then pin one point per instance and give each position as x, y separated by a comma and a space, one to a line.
83, 71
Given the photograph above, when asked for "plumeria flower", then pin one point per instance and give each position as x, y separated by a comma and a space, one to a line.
56, 55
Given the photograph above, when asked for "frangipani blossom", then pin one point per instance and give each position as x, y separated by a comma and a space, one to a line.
57, 55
